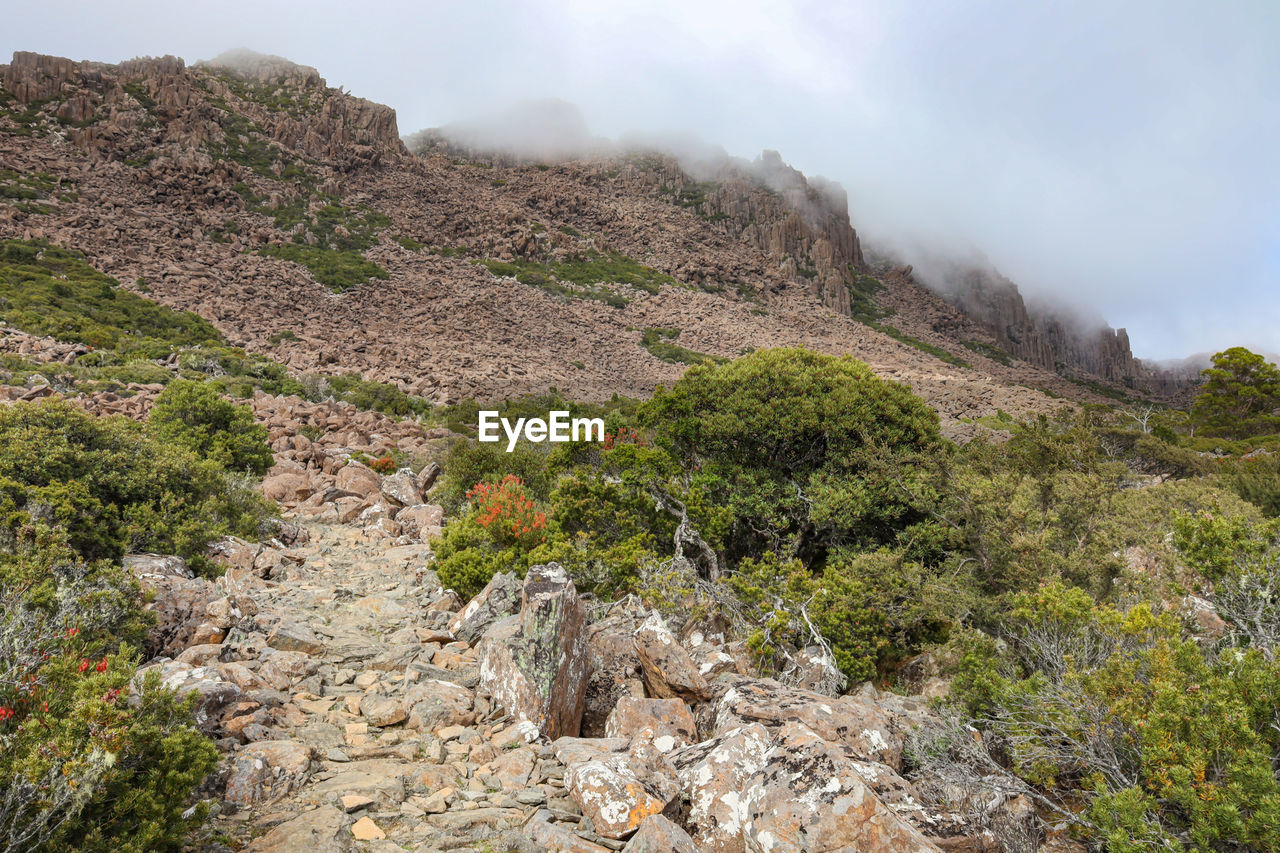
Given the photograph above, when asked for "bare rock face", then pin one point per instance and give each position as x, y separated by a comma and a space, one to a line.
866, 728
713, 776
810, 795
500, 597
667, 723
669, 670
535, 665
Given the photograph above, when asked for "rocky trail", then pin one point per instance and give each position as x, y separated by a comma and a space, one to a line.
359, 706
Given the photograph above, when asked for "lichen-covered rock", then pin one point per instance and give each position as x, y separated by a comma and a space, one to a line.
666, 723
535, 665
500, 597
811, 796
265, 770
869, 730
657, 834
713, 776
612, 794
401, 489
669, 671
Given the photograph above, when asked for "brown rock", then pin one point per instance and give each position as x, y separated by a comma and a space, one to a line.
382, 710
359, 479
657, 834
811, 796
666, 723
610, 793
868, 730
263, 771
668, 669
431, 705
714, 775
322, 830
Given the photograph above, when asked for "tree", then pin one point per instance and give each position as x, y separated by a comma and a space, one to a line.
193, 415
1240, 395
802, 452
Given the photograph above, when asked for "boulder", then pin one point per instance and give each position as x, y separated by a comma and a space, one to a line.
535, 665
612, 794
433, 704
358, 479
265, 770
382, 710
667, 723
295, 637
810, 795
500, 597
864, 727
421, 520
668, 669
713, 776
657, 834
401, 489
179, 601
322, 830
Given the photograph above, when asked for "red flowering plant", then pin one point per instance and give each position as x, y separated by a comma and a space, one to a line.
499, 532
508, 513
383, 465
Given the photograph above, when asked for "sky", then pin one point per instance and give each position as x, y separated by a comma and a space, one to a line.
1123, 157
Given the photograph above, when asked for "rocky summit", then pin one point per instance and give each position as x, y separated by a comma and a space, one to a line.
290, 215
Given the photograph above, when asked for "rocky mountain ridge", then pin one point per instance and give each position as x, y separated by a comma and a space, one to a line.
249, 191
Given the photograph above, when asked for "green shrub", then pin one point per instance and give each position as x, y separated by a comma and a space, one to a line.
803, 452
108, 487
193, 415
86, 763
1136, 733
1240, 393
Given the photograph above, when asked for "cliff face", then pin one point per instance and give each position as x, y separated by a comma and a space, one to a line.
143, 104
1040, 336
802, 225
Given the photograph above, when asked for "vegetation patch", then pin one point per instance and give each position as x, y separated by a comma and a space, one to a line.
660, 343
924, 346
992, 352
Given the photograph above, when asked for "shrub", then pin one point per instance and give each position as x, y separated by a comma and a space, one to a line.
383, 464
1240, 395
1131, 729
804, 452
193, 415
104, 486
87, 762
497, 534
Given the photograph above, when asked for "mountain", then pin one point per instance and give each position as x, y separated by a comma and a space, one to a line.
291, 215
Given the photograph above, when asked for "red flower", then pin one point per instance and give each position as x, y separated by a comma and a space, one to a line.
102, 665
84, 664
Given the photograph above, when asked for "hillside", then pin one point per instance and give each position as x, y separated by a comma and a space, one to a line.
250, 192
